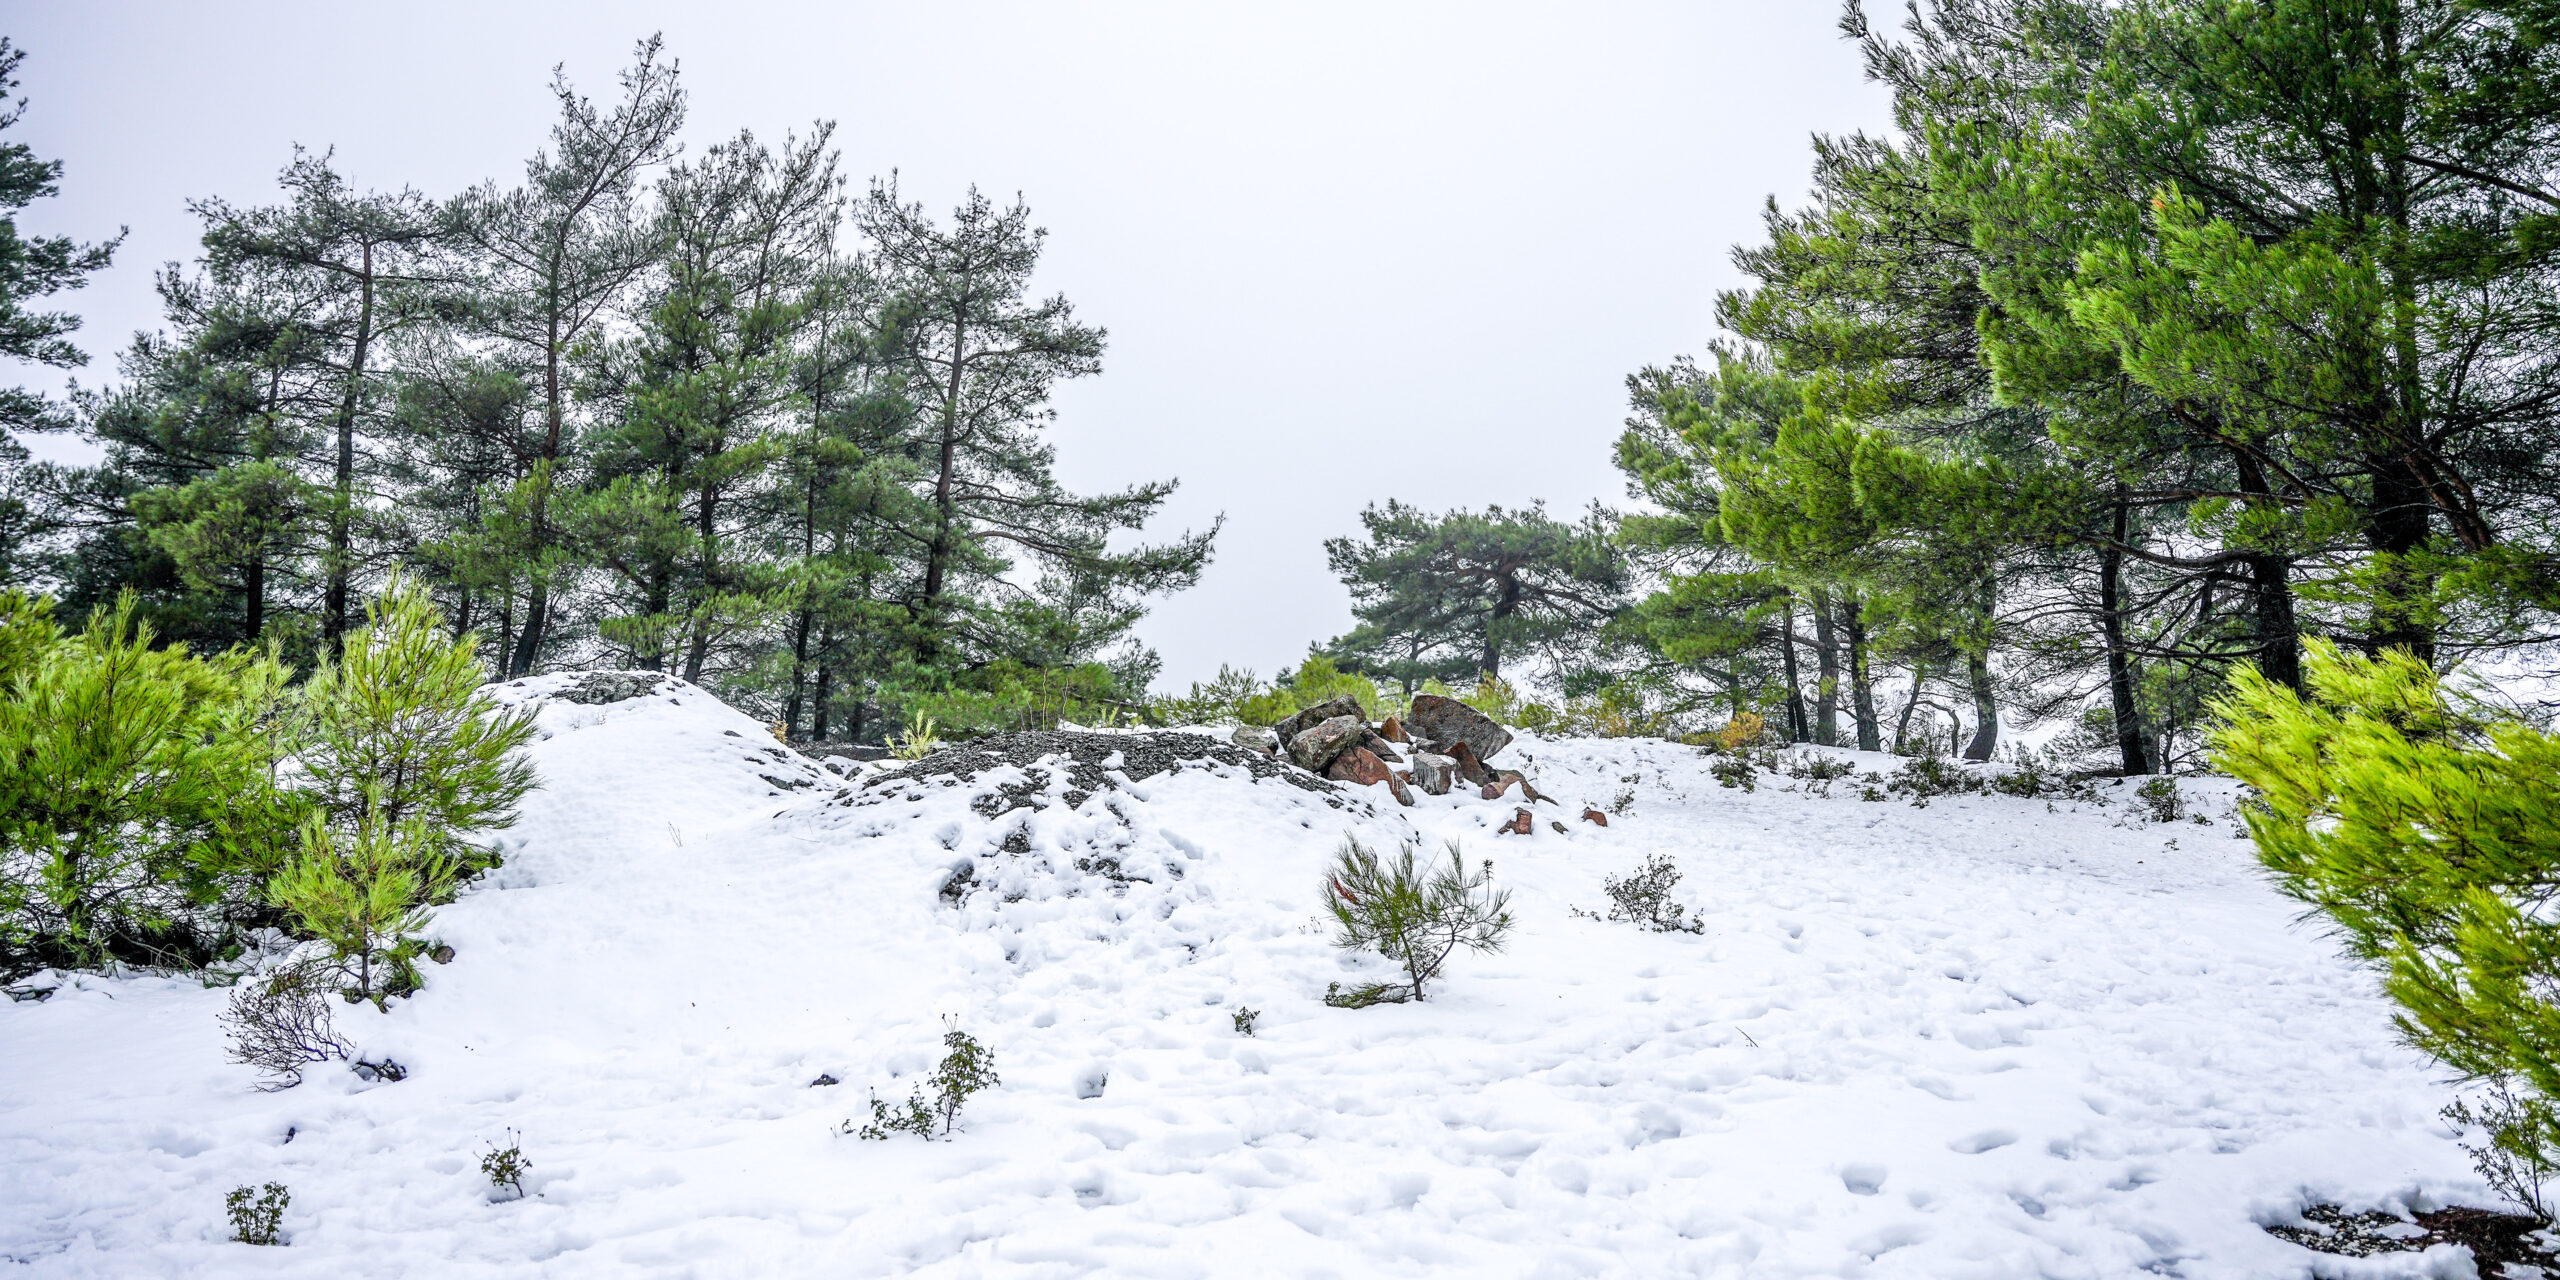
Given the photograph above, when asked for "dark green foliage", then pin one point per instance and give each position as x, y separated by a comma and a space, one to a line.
506, 1166
1244, 1019
1415, 916
257, 1217
1644, 898
1446, 597
966, 1069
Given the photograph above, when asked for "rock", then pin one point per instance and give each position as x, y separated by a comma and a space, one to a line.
1594, 815
1470, 766
442, 954
1314, 748
1522, 823
1533, 793
1434, 774
1254, 737
384, 1072
1346, 705
1358, 767
1560, 828
1505, 777
1493, 790
824, 1081
1449, 722
1393, 731
840, 766
596, 688
1379, 747
1396, 787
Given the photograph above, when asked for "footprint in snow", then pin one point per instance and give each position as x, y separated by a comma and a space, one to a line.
1987, 1140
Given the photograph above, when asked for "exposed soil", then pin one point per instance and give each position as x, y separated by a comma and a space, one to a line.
2495, 1238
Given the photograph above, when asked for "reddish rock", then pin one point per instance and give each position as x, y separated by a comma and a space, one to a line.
1450, 722
1522, 823
1397, 788
1470, 766
1358, 767
1594, 815
1493, 790
1393, 731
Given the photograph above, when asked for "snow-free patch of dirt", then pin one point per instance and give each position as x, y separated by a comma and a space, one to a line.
1991, 1037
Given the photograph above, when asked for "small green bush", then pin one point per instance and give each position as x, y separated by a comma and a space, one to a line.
1244, 1019
1644, 899
257, 1217
2159, 798
967, 1068
1412, 915
506, 1166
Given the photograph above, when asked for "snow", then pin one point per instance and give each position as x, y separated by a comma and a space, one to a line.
1989, 1037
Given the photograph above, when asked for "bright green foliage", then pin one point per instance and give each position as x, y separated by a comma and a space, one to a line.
1413, 915
136, 785
1316, 680
2425, 825
257, 1217
399, 731
967, 1068
363, 892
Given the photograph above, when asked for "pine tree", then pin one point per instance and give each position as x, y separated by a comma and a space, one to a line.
1464, 588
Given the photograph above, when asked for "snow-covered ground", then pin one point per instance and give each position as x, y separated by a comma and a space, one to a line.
1982, 1038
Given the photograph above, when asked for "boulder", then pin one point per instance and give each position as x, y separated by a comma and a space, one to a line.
1396, 787
1315, 747
1346, 705
1358, 767
1379, 747
1522, 823
1393, 730
1560, 828
1449, 722
1470, 766
1594, 815
1493, 790
1434, 774
1253, 737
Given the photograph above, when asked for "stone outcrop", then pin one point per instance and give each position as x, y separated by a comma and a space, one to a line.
1346, 705
1254, 737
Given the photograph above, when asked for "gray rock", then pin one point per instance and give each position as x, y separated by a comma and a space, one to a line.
1434, 774
1254, 737
1448, 722
596, 688
1346, 705
1314, 748
1380, 747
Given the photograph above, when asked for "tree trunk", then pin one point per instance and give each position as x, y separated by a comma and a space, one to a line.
1795, 686
938, 555
333, 602
1911, 703
1826, 657
1504, 605
1986, 708
2128, 716
1862, 693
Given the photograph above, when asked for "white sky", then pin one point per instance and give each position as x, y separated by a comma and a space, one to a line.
1345, 252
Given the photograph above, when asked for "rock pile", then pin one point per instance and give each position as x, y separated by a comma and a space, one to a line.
1443, 744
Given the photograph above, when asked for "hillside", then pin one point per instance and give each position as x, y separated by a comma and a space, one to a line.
1992, 1036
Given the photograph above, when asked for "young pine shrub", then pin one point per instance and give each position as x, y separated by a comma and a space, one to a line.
2425, 825
1415, 916
364, 894
281, 1026
136, 791
257, 1217
967, 1068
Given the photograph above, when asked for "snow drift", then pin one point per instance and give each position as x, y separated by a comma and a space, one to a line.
1991, 1037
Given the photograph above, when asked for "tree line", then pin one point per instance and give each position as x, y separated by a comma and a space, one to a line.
712, 414
2153, 341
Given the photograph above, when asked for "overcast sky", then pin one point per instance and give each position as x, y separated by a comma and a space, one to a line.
1345, 252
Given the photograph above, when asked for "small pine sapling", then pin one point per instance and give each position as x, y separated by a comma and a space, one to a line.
506, 1166
967, 1068
1414, 916
920, 740
257, 1217
363, 893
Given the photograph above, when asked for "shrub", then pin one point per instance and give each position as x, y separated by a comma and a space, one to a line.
506, 1166
1315, 681
257, 1217
1415, 917
1244, 1019
968, 1068
1644, 899
2159, 798
282, 1025
2511, 1159
363, 893
920, 739
1925, 777
2425, 825
136, 791
1734, 771
399, 731
1815, 770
